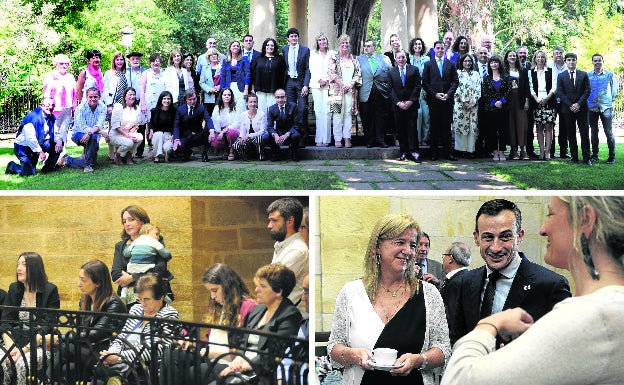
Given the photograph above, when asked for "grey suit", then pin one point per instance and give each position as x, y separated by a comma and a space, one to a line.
435, 268
373, 97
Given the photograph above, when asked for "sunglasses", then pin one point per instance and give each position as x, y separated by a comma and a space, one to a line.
93, 52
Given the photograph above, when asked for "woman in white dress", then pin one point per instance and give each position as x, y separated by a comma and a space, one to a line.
319, 86
125, 122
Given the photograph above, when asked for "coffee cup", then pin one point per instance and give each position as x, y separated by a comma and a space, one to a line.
384, 356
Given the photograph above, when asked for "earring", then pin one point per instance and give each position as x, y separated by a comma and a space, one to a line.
378, 259
587, 258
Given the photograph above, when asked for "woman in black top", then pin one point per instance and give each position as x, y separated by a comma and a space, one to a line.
267, 74
160, 128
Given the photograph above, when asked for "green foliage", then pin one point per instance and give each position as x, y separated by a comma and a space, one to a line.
60, 11
374, 24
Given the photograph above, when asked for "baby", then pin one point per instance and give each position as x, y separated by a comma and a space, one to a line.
144, 253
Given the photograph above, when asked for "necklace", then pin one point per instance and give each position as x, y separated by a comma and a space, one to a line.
394, 293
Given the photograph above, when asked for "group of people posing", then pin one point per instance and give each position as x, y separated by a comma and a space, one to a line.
510, 319
106, 347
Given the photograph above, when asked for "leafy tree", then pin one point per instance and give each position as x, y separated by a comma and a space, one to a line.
60, 12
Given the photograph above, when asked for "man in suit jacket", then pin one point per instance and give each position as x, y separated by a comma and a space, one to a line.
249, 53
573, 90
191, 127
284, 126
374, 94
404, 96
440, 86
297, 77
508, 278
427, 269
455, 262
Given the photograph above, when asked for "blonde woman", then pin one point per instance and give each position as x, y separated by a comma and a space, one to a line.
320, 59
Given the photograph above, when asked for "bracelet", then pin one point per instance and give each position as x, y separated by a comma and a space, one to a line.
425, 362
490, 324
342, 357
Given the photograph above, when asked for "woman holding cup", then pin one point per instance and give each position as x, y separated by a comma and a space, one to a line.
390, 308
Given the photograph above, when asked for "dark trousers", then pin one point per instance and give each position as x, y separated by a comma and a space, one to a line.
405, 121
373, 114
606, 117
90, 153
480, 149
441, 117
141, 148
496, 130
570, 121
530, 131
293, 94
190, 140
563, 135
28, 159
292, 142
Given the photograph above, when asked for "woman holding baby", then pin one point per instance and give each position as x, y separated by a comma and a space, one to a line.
390, 308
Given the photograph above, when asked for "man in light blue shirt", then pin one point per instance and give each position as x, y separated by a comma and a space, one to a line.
604, 88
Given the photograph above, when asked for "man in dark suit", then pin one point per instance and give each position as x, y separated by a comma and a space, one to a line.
249, 53
404, 96
439, 80
191, 127
427, 269
297, 77
455, 262
374, 94
508, 279
283, 125
573, 90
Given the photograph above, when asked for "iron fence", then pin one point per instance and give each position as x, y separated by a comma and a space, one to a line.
66, 358
17, 100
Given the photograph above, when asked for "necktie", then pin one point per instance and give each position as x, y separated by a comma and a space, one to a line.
190, 111
484, 70
373, 65
249, 56
292, 62
419, 273
282, 115
440, 66
572, 77
403, 75
488, 296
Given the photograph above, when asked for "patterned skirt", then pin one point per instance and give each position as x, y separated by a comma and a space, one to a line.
544, 114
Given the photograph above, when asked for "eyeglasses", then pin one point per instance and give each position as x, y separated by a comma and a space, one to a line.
63, 63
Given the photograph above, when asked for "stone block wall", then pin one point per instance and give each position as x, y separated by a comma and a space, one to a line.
345, 224
70, 230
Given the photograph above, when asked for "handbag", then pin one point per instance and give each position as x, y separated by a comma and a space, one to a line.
335, 104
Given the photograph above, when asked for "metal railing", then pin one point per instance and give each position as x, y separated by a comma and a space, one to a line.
16, 101
66, 359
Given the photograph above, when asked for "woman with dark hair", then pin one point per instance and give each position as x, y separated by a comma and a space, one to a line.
132, 218
495, 93
188, 63
225, 120
267, 74
235, 73
125, 122
461, 46
274, 313
467, 95
152, 84
252, 130
122, 352
210, 79
160, 127
390, 308
518, 105
30, 289
176, 77
418, 58
95, 332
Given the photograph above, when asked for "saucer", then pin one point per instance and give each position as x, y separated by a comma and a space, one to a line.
384, 367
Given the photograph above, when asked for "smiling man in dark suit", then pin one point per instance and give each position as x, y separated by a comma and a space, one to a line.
283, 124
573, 90
297, 77
439, 80
191, 127
404, 95
508, 279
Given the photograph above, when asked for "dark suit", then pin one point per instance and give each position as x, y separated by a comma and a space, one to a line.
285, 321
405, 120
440, 112
254, 55
47, 298
450, 290
373, 97
280, 125
294, 85
534, 288
189, 129
569, 94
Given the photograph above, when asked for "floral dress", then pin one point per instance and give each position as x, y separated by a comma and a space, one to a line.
154, 86
468, 91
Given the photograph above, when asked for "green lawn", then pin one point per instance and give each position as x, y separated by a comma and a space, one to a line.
560, 174
145, 175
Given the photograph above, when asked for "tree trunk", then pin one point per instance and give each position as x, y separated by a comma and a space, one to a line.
351, 17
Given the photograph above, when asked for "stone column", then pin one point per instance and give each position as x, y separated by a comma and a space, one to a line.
321, 19
426, 17
393, 20
298, 18
410, 6
262, 19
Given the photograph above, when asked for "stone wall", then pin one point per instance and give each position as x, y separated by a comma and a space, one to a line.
70, 230
345, 224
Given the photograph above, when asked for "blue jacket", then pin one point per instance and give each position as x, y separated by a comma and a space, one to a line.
242, 74
38, 120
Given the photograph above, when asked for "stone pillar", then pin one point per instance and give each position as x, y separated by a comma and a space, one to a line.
393, 20
319, 20
298, 18
410, 6
426, 21
262, 19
